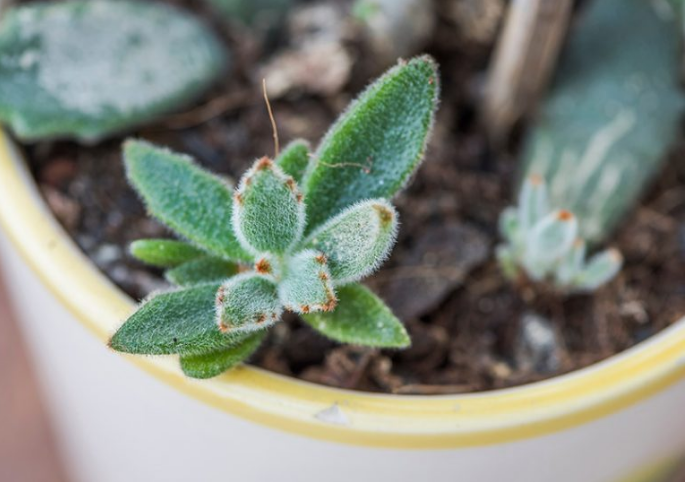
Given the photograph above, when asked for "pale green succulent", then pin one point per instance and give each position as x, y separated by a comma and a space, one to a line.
89, 69
297, 234
614, 109
543, 245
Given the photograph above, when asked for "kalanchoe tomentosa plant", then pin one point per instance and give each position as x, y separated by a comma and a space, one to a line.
543, 244
297, 234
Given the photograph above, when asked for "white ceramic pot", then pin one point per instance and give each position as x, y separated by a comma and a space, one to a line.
131, 419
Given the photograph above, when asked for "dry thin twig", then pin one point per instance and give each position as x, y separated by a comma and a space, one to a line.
277, 147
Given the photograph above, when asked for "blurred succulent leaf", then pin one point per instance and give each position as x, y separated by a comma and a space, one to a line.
509, 225
307, 286
294, 159
191, 201
600, 268
552, 236
533, 202
375, 146
571, 263
357, 240
612, 112
213, 364
164, 253
361, 318
507, 261
182, 321
88, 69
268, 209
206, 269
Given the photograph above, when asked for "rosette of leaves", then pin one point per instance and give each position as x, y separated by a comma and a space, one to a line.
87, 69
543, 244
297, 234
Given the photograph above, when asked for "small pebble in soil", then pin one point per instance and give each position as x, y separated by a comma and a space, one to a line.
538, 345
438, 262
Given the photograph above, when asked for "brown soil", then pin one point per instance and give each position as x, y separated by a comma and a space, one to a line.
464, 319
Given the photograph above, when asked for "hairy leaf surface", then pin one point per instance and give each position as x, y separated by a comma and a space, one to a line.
182, 321
268, 209
361, 318
247, 303
164, 253
213, 364
306, 286
375, 146
357, 240
191, 201
294, 159
206, 269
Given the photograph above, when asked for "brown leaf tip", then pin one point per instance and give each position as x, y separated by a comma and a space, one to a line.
223, 327
263, 164
323, 276
330, 306
321, 259
305, 309
615, 255
535, 179
263, 266
565, 215
261, 319
385, 214
220, 296
332, 300
238, 198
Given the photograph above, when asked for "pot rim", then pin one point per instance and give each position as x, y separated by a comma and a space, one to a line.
392, 421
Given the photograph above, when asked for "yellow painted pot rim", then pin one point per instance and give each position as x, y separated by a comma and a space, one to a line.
417, 422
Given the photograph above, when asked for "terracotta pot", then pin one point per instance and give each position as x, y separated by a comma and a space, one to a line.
138, 419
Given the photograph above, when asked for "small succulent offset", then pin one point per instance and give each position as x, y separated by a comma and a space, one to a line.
543, 245
297, 234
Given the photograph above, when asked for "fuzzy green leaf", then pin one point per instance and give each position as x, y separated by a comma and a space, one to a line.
212, 364
268, 210
87, 69
191, 201
182, 321
375, 146
361, 318
357, 240
294, 159
207, 269
164, 253
306, 286
247, 303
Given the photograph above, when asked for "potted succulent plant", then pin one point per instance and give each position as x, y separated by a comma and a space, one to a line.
297, 235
